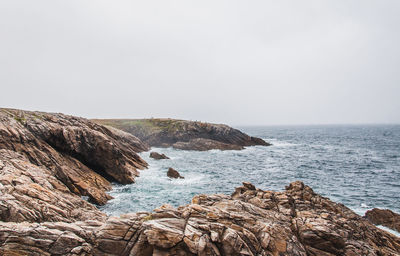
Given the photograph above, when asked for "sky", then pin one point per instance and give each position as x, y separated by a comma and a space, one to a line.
236, 62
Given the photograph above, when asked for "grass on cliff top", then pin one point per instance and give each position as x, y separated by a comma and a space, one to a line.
149, 125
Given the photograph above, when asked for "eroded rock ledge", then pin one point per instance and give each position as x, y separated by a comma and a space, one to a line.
384, 217
48, 161
186, 135
250, 222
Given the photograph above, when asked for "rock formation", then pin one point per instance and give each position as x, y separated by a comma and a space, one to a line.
384, 217
201, 144
49, 161
172, 173
158, 156
183, 134
250, 222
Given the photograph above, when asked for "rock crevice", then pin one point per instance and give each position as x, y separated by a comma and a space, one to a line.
50, 160
242, 224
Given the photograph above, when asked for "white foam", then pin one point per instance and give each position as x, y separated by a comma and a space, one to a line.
362, 212
278, 143
389, 230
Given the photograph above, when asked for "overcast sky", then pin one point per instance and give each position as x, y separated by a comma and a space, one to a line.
236, 62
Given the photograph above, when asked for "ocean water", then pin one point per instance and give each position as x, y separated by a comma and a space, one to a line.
358, 166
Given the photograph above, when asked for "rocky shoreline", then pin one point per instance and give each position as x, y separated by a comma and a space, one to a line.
250, 222
185, 135
384, 217
49, 161
49, 164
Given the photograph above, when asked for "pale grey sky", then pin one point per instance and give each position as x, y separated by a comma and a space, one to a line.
236, 62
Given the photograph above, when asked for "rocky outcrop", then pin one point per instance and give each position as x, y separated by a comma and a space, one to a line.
250, 222
49, 161
172, 173
384, 217
205, 144
183, 134
158, 156
33, 193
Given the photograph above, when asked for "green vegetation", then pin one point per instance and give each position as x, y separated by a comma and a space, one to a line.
144, 126
20, 119
37, 116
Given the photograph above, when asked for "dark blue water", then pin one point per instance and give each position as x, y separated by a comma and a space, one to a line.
358, 166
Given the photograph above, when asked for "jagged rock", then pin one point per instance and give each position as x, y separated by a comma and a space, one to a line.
32, 193
48, 161
172, 173
158, 156
251, 222
384, 217
205, 144
187, 135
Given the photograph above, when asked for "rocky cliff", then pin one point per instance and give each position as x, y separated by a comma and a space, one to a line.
296, 221
48, 161
181, 134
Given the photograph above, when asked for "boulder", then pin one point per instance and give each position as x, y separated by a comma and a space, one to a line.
158, 156
172, 173
384, 217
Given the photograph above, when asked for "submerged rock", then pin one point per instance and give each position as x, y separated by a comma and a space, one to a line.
48, 161
182, 134
384, 217
172, 173
250, 222
158, 156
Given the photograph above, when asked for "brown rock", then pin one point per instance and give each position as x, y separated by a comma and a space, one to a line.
48, 161
158, 156
32, 193
172, 173
384, 217
213, 225
201, 144
182, 134
249, 186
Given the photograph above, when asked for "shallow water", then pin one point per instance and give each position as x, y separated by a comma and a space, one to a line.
358, 166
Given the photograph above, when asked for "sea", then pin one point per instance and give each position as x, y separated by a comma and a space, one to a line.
357, 165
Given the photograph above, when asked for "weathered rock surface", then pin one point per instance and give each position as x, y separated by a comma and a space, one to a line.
250, 222
172, 173
48, 161
384, 217
183, 134
158, 156
205, 144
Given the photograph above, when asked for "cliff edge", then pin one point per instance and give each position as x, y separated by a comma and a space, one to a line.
182, 134
48, 161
